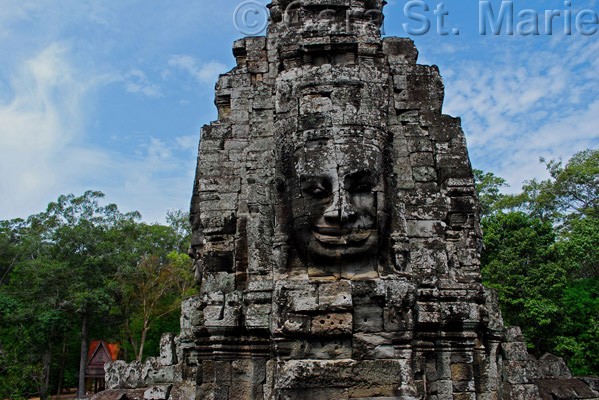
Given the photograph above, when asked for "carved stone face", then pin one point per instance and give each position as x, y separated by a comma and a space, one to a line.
336, 190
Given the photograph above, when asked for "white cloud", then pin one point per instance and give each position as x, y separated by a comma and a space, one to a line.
155, 179
157, 151
40, 126
204, 73
52, 113
137, 82
48, 102
188, 142
527, 103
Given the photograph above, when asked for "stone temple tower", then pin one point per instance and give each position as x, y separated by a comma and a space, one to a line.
335, 221
336, 236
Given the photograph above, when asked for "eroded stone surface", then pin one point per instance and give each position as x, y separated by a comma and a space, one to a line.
336, 237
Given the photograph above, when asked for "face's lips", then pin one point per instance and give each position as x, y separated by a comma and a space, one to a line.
331, 230
340, 239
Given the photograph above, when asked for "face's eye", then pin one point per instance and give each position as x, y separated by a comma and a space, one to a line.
315, 189
362, 187
359, 183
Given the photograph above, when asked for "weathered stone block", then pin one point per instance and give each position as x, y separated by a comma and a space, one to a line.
429, 313
374, 346
461, 372
302, 298
222, 315
158, 392
297, 323
424, 174
120, 394
397, 320
132, 375
373, 392
422, 159
368, 318
514, 372
520, 392
338, 373
425, 229
515, 351
168, 355
465, 396
335, 296
514, 334
402, 48
332, 324
551, 366
338, 348
315, 394
258, 316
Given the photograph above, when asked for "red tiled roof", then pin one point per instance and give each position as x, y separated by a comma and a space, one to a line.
111, 348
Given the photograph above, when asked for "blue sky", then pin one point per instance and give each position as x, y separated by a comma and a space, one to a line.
111, 95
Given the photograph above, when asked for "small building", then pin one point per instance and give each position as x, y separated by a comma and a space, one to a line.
99, 353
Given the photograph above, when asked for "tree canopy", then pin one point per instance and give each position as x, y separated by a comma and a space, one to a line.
71, 274
541, 253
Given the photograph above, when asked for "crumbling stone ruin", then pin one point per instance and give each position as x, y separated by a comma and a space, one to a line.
336, 237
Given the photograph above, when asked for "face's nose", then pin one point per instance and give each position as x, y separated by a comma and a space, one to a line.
341, 210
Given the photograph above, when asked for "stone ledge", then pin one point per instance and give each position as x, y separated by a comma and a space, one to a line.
297, 374
564, 389
120, 394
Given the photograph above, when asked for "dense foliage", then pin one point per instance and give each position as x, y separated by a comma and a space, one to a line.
72, 274
542, 256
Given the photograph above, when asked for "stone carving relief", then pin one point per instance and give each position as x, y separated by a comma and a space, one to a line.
337, 202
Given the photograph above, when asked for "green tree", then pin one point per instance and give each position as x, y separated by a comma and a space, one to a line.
63, 261
82, 269
145, 270
8, 254
578, 337
519, 262
571, 192
152, 290
575, 186
78, 230
488, 189
37, 317
178, 221
544, 258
